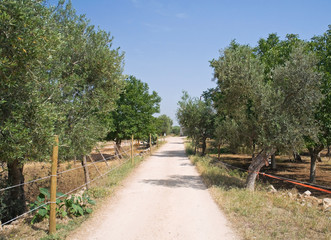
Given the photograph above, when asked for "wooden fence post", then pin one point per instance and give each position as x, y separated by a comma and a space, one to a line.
86, 173
52, 214
132, 160
150, 142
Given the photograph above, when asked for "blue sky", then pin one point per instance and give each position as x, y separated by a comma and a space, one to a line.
168, 44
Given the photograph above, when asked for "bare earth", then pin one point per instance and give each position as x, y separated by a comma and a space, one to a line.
164, 199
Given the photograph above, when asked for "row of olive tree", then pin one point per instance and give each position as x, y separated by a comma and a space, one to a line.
275, 97
60, 76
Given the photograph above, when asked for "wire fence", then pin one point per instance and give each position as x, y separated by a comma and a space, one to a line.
120, 154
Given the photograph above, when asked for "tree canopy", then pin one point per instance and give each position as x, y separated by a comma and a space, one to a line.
134, 113
164, 125
58, 75
197, 117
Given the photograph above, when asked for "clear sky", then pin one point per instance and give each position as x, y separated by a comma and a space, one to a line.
169, 43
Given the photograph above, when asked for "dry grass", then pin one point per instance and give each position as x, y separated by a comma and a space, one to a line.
262, 214
99, 190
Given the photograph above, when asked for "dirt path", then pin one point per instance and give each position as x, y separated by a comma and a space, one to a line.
164, 199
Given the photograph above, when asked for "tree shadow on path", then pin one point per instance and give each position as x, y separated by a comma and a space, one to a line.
178, 181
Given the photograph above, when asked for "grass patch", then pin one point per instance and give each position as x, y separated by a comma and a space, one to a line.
260, 214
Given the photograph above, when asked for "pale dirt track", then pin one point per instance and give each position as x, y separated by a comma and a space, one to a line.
164, 199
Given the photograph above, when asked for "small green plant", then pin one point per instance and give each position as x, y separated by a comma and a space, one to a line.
43, 211
78, 205
73, 206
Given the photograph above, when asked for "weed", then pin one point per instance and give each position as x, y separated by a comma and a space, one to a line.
73, 206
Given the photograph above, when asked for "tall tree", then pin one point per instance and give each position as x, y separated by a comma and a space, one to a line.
90, 78
164, 125
280, 111
26, 114
197, 117
58, 74
134, 113
239, 75
321, 45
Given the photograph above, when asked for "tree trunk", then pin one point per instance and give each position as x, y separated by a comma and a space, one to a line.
204, 146
118, 148
86, 172
273, 161
297, 157
319, 159
16, 195
254, 168
329, 152
253, 150
314, 152
219, 152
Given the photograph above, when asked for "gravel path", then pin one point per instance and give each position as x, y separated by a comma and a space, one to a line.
164, 199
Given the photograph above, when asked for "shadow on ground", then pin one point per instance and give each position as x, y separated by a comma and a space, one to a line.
169, 154
178, 181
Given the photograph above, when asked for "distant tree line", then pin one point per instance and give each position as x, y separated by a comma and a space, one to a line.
59, 75
272, 98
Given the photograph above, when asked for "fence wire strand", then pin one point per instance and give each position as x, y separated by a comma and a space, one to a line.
32, 210
21, 184
69, 170
71, 191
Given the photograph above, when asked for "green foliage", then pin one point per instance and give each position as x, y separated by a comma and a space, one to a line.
58, 76
74, 206
175, 130
321, 45
41, 203
163, 125
134, 113
28, 43
271, 114
273, 52
238, 94
78, 205
91, 76
197, 117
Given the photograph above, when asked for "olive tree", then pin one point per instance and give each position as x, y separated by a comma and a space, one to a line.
27, 115
197, 117
279, 112
58, 74
321, 45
